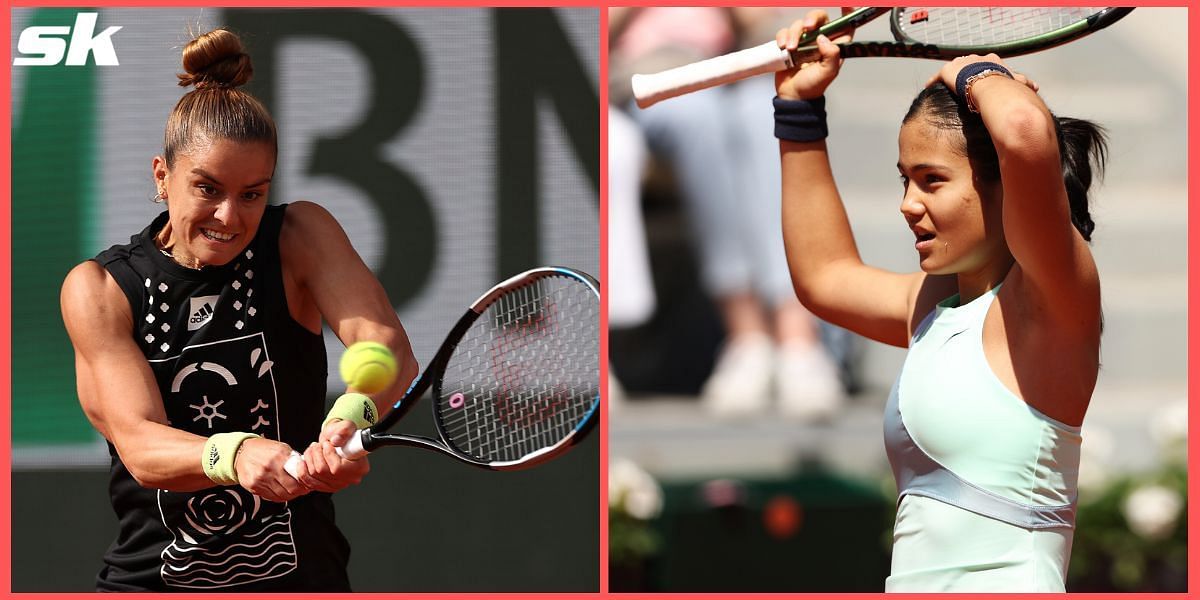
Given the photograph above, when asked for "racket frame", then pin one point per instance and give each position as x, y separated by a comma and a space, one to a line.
1094, 22
908, 47
651, 89
375, 436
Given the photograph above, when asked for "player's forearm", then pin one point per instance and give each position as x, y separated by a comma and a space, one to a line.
160, 456
1017, 120
1020, 125
1037, 220
816, 231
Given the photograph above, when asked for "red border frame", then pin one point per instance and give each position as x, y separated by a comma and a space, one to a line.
6, 282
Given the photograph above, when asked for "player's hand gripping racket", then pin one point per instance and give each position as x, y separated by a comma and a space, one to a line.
515, 383
935, 32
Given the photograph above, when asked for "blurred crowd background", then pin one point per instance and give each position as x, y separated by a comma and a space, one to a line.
746, 439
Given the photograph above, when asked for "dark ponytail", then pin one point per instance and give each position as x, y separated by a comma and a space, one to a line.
1081, 144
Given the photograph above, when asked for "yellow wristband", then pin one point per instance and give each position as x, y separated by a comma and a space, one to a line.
353, 407
220, 452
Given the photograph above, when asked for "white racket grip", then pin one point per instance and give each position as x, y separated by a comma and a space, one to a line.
353, 450
292, 466
765, 58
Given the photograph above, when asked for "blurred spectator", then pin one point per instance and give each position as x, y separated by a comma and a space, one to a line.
631, 298
718, 144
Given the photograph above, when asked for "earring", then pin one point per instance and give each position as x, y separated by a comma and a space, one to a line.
158, 198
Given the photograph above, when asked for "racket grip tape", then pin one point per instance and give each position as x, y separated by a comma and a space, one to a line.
292, 466
353, 450
764, 58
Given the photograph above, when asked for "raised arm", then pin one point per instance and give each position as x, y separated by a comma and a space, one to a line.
1054, 257
120, 397
828, 274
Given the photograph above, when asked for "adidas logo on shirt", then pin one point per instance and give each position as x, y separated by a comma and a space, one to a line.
201, 311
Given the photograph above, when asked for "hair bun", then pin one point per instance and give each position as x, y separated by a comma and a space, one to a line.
215, 60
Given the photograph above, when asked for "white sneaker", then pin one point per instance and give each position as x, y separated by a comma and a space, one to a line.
808, 384
740, 384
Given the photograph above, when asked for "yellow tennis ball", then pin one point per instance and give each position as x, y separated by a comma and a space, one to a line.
368, 367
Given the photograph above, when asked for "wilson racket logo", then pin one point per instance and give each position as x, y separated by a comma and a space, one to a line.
889, 49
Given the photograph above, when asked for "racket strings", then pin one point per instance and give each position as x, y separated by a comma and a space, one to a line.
985, 26
526, 374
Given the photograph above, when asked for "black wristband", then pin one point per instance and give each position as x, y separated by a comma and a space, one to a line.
972, 70
800, 120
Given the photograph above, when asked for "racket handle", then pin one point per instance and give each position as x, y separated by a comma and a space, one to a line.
353, 450
764, 58
292, 466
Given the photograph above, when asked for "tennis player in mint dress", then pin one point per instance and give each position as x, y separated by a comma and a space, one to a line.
1002, 321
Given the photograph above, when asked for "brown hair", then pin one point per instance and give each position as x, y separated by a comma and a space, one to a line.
216, 66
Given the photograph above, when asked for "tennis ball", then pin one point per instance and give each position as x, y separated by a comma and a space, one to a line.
368, 367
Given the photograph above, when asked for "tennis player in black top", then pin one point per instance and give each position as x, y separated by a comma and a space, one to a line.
199, 357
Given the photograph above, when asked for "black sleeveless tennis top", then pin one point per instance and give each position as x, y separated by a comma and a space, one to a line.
227, 356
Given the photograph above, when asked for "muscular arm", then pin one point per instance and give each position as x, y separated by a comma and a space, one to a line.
328, 272
827, 272
318, 256
120, 397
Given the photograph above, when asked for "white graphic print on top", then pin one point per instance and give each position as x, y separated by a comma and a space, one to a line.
223, 536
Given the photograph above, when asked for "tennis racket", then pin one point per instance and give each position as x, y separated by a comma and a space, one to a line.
515, 383
940, 33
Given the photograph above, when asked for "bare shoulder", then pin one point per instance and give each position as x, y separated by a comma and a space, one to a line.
308, 218
89, 281
91, 299
87, 276
307, 232
312, 242
926, 292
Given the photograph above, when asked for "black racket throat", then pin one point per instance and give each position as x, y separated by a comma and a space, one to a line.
877, 50
911, 48
372, 441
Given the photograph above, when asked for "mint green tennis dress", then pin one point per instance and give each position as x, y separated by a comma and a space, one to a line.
987, 484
